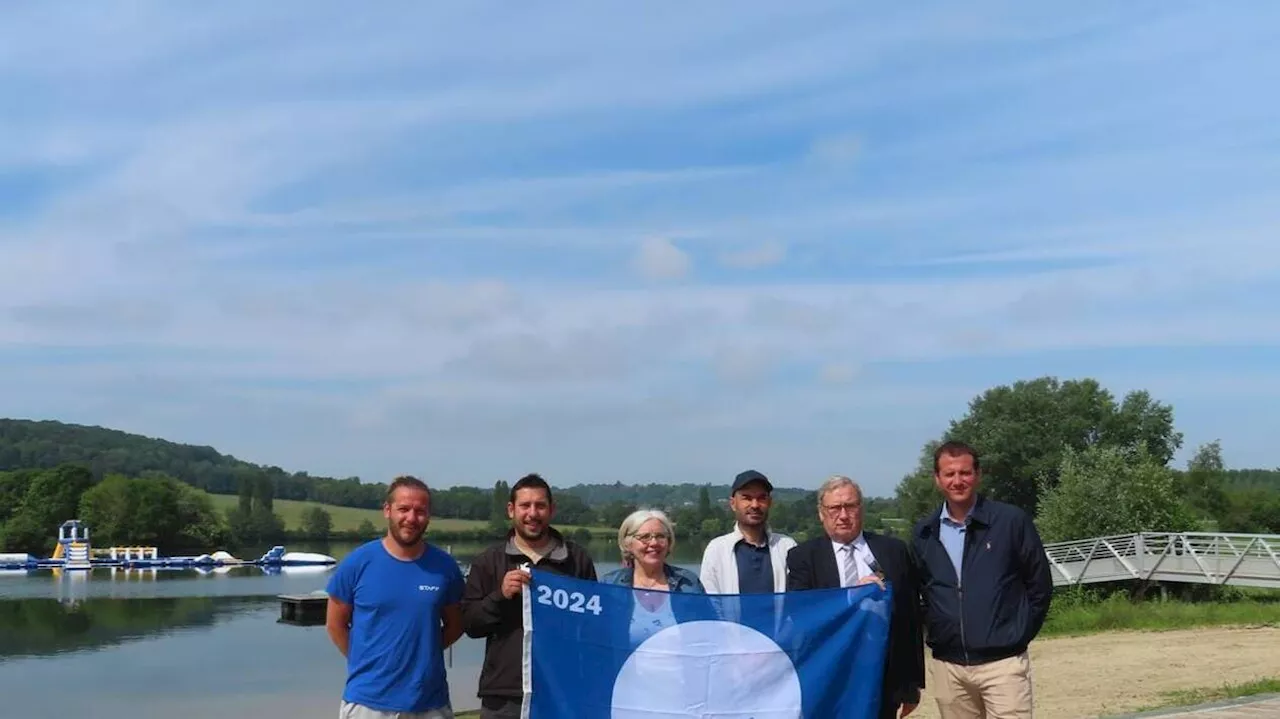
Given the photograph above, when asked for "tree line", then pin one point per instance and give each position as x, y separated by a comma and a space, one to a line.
26, 444
1083, 462
794, 511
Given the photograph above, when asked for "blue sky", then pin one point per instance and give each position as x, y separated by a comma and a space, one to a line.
606, 241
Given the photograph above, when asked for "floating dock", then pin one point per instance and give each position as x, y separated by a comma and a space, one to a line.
304, 610
74, 552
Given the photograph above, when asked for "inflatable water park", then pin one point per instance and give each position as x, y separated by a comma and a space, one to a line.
74, 551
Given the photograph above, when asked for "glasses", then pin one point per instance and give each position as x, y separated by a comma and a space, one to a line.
836, 509
648, 538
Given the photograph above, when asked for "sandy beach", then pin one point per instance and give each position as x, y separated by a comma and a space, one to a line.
1118, 672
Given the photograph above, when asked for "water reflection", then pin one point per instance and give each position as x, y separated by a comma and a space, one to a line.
37, 627
117, 644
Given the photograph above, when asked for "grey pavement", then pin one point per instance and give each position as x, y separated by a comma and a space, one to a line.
1256, 707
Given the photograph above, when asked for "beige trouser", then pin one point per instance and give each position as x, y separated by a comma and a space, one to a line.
998, 690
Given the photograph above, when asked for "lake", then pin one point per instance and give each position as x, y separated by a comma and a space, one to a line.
135, 644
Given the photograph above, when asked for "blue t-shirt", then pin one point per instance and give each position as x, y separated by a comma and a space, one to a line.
394, 660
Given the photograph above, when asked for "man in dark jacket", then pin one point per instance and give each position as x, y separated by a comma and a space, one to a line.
986, 587
491, 604
846, 556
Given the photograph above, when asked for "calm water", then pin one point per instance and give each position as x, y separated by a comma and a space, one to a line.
116, 644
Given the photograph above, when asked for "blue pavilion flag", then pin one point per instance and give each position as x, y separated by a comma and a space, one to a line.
602, 651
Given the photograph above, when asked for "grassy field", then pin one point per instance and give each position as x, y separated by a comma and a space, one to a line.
349, 518
1118, 613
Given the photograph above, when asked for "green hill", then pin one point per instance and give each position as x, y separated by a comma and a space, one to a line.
27, 444
30, 444
348, 519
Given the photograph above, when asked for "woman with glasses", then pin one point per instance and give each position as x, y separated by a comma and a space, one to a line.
646, 538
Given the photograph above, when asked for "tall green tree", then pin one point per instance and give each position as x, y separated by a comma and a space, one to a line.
264, 494
705, 510
498, 520
13, 488
154, 511
916, 494
246, 485
201, 524
110, 510
25, 533
1204, 484
1103, 491
54, 496
51, 498
1023, 431
316, 522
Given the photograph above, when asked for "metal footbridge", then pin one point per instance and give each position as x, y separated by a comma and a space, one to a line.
1245, 560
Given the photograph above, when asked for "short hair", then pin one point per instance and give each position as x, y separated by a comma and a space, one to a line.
406, 480
954, 448
835, 482
530, 481
632, 524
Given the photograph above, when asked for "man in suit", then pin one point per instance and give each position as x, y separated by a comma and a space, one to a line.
847, 556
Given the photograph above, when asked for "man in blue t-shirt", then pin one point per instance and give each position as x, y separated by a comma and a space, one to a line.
393, 610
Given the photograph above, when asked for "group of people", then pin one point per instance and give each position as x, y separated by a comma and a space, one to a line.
971, 581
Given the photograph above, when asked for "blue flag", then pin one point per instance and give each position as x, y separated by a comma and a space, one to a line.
602, 651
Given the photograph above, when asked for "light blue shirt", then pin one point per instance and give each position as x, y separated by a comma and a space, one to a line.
951, 533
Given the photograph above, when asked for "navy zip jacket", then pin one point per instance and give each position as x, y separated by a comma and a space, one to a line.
1000, 601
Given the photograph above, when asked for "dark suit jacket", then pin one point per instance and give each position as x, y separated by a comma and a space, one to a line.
812, 565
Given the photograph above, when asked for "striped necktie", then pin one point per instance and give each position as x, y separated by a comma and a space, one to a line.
850, 566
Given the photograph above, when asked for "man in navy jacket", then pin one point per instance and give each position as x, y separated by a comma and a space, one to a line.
985, 586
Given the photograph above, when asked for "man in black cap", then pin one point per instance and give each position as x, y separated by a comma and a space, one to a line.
750, 559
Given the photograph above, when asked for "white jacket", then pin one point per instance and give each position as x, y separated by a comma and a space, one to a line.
719, 572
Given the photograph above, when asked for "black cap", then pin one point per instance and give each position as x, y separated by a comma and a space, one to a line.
747, 477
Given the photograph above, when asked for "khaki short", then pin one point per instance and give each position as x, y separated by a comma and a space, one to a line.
358, 711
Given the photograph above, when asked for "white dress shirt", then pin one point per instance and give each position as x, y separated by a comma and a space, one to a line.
862, 558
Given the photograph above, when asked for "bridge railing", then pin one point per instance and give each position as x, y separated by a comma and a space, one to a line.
1201, 557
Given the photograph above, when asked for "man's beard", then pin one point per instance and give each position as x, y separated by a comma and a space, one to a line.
396, 532
531, 537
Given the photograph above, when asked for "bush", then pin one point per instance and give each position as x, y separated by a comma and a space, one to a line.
1104, 491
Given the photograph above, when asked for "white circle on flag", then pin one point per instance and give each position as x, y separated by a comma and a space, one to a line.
707, 669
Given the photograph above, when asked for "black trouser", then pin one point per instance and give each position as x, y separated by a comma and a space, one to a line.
499, 708
889, 710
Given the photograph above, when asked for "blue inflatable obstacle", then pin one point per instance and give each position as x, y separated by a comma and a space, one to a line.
74, 551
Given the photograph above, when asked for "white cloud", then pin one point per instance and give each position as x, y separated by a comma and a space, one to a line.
274, 230
764, 255
658, 258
